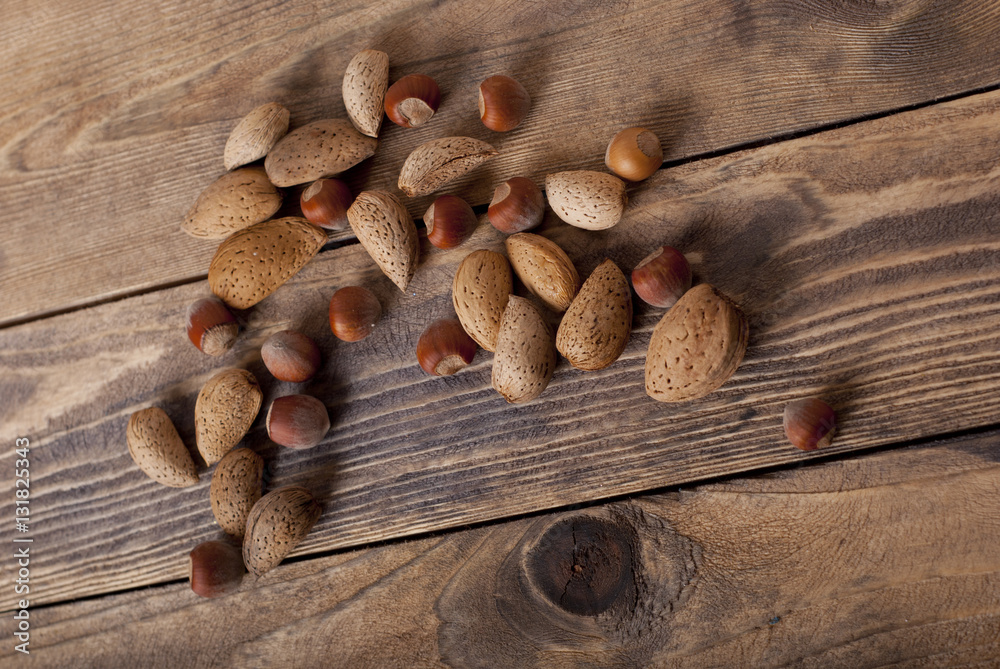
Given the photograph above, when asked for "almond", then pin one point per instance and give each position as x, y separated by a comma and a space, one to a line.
224, 411
255, 134
544, 269
365, 82
234, 201
526, 354
386, 230
236, 487
439, 161
157, 449
596, 327
320, 149
277, 523
696, 346
482, 285
588, 200
253, 263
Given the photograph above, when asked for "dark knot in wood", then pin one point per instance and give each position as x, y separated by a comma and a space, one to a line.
584, 565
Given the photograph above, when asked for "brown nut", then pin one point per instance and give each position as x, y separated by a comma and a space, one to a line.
526, 353
157, 449
354, 311
479, 292
517, 205
290, 356
449, 220
662, 277
236, 487
634, 154
224, 411
297, 421
588, 200
278, 522
216, 569
325, 203
810, 424
445, 348
503, 103
363, 90
412, 101
211, 327
255, 134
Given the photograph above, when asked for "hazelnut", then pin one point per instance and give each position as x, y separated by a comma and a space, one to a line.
216, 569
634, 154
297, 421
517, 205
810, 424
211, 326
449, 220
325, 203
662, 277
445, 348
411, 101
503, 103
354, 311
290, 356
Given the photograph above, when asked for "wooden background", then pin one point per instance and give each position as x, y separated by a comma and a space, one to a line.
832, 166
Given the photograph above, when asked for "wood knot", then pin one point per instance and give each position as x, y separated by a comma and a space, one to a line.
584, 565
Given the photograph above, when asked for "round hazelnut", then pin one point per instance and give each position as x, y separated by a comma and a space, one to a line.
810, 424
517, 205
449, 220
354, 311
216, 568
503, 103
662, 277
445, 348
412, 101
325, 203
211, 327
634, 154
290, 356
297, 421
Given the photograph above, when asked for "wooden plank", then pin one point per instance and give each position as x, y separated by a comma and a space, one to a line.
113, 117
867, 261
882, 559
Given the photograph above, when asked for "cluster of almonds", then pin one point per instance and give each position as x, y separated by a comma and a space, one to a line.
694, 349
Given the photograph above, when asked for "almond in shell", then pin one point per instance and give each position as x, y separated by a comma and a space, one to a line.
482, 285
254, 262
234, 201
696, 346
320, 149
435, 163
597, 325
526, 354
588, 200
157, 449
386, 231
236, 487
365, 82
277, 523
224, 411
544, 268
255, 134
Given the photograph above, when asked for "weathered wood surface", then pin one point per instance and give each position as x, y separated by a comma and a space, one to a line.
885, 559
866, 258
113, 117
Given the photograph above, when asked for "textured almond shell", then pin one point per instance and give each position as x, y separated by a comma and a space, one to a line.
157, 449
386, 230
597, 325
255, 134
439, 161
483, 283
224, 411
234, 201
320, 149
696, 346
365, 82
588, 200
544, 269
236, 487
253, 263
277, 523
526, 354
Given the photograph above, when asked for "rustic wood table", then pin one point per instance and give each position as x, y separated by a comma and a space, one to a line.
834, 166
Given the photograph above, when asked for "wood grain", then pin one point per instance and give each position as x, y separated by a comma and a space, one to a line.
867, 262
882, 560
114, 117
